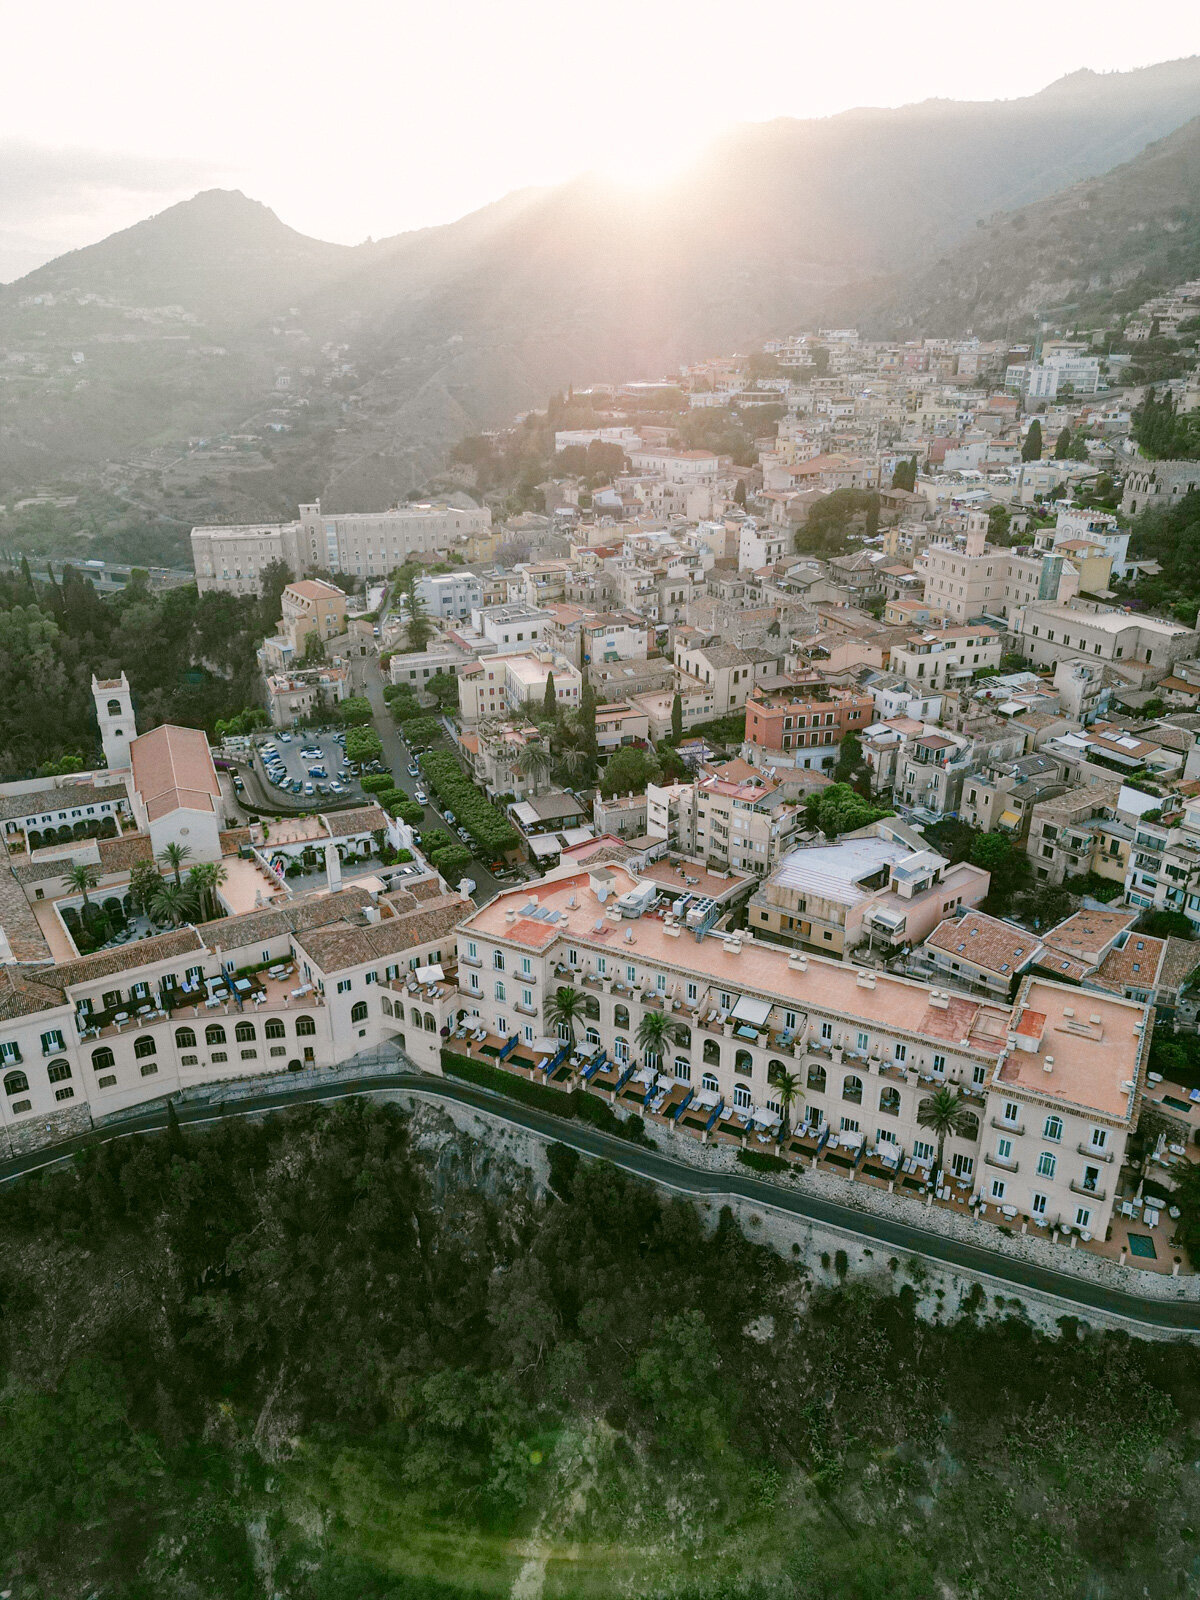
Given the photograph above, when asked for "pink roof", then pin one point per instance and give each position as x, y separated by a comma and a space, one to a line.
173, 770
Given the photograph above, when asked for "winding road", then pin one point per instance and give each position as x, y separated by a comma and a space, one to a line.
1077, 1295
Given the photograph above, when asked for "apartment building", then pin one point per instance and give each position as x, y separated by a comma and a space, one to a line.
367, 544
946, 657
931, 770
731, 673
598, 637
803, 724
1080, 832
293, 696
879, 883
1050, 633
1001, 797
451, 595
760, 547
1097, 527
1053, 1095
734, 817
980, 954
1163, 868
504, 685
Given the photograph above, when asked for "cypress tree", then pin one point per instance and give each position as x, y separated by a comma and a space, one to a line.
550, 701
676, 718
1062, 445
1032, 449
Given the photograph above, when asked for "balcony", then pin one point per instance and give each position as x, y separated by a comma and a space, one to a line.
1008, 1127
471, 961
1093, 1154
1093, 1192
1005, 1163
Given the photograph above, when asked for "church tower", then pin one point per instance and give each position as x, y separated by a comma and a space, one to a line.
114, 713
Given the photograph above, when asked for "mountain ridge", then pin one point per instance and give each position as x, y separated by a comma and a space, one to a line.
457, 326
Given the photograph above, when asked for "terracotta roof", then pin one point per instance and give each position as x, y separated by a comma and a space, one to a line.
254, 927
119, 855
125, 958
1135, 966
22, 994
987, 942
66, 797
173, 770
343, 945
364, 819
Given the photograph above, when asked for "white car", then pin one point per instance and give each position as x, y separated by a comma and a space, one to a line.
421, 797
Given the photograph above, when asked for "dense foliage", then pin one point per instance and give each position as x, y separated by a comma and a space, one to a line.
330, 1357
488, 827
190, 659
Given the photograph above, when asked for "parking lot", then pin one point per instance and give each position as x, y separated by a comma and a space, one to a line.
313, 761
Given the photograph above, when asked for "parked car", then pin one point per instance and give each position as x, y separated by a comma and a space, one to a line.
238, 784
449, 816
421, 797
285, 738
414, 771
308, 789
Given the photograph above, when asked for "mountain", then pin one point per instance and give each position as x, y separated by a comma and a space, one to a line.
1102, 246
212, 361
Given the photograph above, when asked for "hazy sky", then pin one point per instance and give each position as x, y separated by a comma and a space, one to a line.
355, 119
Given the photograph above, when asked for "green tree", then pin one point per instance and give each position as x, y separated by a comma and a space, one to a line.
999, 521
82, 878
1186, 1196
534, 763
174, 855
1062, 445
739, 493
837, 809
905, 475
789, 1091
363, 744
656, 1032
355, 711
1031, 450
144, 883
851, 766
172, 904
676, 718
629, 771
943, 1112
420, 628
565, 1010
550, 699
1008, 866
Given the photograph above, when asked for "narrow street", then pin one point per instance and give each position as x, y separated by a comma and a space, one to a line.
368, 680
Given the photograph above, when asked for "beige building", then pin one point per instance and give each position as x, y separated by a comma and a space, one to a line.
729, 672
503, 685
1079, 832
947, 657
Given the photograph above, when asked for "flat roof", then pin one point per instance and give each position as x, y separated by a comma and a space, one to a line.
1094, 1064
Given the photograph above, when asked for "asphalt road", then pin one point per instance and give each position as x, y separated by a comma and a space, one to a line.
1077, 1295
396, 757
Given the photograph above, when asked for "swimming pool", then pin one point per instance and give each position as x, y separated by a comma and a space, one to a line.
1179, 1105
1141, 1245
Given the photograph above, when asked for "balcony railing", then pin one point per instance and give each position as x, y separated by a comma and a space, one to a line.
1093, 1154
1008, 1127
1092, 1190
1007, 1163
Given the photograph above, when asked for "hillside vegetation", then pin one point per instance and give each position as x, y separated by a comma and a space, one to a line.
189, 323
348, 1355
1099, 248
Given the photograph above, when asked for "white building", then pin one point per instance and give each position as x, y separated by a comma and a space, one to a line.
175, 792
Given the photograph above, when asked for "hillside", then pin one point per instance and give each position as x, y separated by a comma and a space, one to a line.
349, 1354
211, 362
1103, 245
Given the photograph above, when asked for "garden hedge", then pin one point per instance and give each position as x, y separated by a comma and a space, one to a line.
489, 828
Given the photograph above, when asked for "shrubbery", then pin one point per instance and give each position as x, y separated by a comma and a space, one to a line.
489, 829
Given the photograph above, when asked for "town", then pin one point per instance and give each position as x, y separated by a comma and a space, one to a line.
831, 805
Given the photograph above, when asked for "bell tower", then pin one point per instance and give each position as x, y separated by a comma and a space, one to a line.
114, 713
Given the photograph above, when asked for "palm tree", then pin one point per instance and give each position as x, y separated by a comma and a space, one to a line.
942, 1112
174, 855
534, 763
789, 1089
81, 878
204, 881
656, 1031
172, 904
565, 1010
572, 767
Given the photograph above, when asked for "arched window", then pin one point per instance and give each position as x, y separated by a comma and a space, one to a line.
712, 1053
968, 1127
244, 1032
816, 1077
684, 1038
621, 1049
306, 1025
852, 1089
275, 1028
387, 1011
58, 1071
709, 1082
775, 1070
149, 1068
102, 1059
15, 1083
358, 1011
414, 1017
591, 1008
741, 1097
114, 708
144, 1047
889, 1101
214, 1034
1053, 1129
743, 1062
430, 1022
683, 1069
592, 1036
185, 1038
620, 1016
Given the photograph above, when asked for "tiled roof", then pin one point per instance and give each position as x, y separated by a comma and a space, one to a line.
364, 819
124, 958
255, 927
173, 770
66, 797
23, 994
986, 942
342, 945
119, 855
